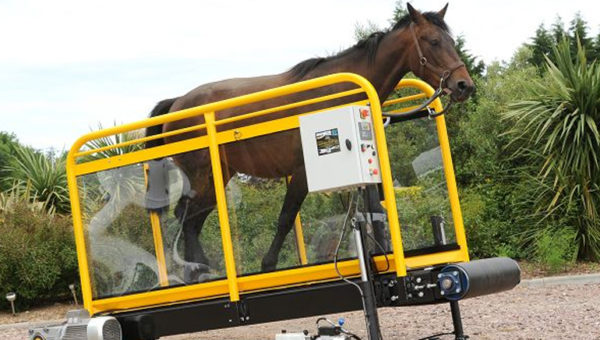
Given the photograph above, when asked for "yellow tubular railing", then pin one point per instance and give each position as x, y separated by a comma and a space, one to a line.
159, 251
233, 284
299, 234
215, 160
289, 106
404, 99
141, 140
463, 253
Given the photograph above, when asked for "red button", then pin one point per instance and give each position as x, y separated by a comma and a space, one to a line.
370, 160
375, 172
364, 113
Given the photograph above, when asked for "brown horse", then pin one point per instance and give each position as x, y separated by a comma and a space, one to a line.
418, 43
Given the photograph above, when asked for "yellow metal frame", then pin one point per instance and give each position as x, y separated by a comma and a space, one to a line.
161, 263
461, 239
233, 285
299, 235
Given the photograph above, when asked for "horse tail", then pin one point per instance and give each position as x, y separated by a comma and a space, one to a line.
161, 108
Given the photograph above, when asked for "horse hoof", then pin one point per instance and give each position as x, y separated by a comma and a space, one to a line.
268, 267
195, 272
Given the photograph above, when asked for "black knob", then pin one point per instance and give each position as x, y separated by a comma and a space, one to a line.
348, 144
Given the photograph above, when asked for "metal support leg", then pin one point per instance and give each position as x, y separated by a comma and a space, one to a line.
457, 321
368, 292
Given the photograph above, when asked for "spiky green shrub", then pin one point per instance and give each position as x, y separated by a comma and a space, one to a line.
556, 131
113, 140
13, 197
42, 175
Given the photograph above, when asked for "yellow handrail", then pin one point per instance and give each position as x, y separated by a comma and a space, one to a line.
404, 99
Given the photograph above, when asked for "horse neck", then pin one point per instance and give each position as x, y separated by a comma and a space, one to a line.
391, 63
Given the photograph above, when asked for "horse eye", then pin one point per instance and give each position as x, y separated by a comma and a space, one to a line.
435, 42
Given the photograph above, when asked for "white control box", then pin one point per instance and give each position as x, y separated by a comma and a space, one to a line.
339, 149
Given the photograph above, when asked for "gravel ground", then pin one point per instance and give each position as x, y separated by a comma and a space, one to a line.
555, 312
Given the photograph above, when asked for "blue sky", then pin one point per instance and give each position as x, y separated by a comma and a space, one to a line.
67, 65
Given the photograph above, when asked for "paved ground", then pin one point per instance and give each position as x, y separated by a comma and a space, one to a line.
561, 309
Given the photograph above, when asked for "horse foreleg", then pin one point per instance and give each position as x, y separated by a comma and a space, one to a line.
295, 195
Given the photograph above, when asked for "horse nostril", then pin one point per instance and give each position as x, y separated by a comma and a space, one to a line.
462, 85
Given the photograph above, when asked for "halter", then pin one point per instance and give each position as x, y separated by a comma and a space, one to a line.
444, 74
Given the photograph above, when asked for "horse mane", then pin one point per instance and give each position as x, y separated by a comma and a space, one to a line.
369, 45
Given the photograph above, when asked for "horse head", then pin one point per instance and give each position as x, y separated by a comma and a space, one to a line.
436, 60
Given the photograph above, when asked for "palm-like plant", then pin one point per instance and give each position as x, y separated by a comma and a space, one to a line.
556, 134
109, 141
122, 181
41, 176
19, 194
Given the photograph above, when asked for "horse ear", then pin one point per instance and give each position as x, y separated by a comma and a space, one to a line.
442, 11
415, 15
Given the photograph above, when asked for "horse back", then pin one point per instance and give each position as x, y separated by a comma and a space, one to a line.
273, 155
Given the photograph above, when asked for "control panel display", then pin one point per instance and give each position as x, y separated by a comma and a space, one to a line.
365, 131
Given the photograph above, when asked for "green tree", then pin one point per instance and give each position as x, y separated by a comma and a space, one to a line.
596, 48
541, 46
8, 141
558, 30
399, 12
363, 31
475, 66
486, 175
578, 32
556, 131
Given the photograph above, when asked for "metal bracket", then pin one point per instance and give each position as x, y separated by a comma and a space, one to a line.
243, 312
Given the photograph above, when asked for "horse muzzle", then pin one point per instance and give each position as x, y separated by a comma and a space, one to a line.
461, 90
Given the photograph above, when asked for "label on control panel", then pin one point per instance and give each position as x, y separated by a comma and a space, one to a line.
328, 142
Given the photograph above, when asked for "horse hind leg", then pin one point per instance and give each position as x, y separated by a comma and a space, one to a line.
192, 213
295, 195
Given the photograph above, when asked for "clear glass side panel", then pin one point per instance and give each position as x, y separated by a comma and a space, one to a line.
123, 208
420, 185
257, 226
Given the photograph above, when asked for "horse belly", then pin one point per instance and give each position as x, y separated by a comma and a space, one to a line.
270, 156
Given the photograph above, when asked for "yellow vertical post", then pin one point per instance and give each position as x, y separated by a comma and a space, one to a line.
300, 240
159, 250
386, 181
215, 160
459, 229
298, 232
84, 271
